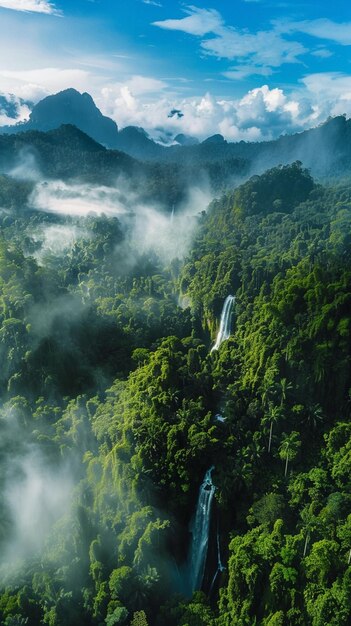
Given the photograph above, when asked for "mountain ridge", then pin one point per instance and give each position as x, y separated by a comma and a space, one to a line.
332, 139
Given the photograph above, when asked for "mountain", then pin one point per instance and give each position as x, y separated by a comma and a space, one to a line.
223, 162
70, 107
71, 156
217, 139
65, 153
186, 140
331, 140
135, 141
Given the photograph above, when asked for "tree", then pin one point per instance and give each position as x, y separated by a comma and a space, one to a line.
289, 448
139, 619
274, 415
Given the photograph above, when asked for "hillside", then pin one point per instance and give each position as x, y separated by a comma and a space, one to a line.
329, 142
148, 475
70, 155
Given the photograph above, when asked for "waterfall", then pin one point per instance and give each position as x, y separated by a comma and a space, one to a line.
200, 531
172, 214
220, 566
219, 418
225, 323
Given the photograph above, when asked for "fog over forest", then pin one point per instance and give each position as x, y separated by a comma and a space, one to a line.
175, 316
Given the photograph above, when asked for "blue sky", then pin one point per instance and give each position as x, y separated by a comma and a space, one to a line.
248, 69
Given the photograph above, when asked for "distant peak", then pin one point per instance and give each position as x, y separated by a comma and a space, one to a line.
186, 140
70, 91
215, 139
71, 107
127, 130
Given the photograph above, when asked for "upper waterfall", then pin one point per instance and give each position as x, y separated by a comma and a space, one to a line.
225, 322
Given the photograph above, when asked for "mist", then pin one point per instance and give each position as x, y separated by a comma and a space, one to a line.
42, 317
37, 487
35, 494
26, 166
147, 226
56, 240
169, 235
77, 199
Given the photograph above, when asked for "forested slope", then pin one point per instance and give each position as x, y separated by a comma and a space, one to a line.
68, 154
114, 408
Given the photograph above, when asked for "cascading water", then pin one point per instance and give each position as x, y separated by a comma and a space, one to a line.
219, 418
200, 531
225, 322
220, 566
172, 214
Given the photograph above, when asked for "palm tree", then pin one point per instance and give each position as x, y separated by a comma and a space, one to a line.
289, 448
275, 413
285, 386
314, 415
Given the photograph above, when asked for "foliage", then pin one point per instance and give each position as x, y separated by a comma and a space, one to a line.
109, 389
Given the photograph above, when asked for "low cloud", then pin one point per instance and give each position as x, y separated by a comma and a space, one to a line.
262, 113
26, 167
170, 236
56, 240
35, 494
77, 200
12, 110
148, 227
43, 318
331, 92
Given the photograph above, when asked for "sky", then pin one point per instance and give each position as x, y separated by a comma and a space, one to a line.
248, 69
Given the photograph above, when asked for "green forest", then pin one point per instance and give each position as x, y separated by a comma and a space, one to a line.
117, 416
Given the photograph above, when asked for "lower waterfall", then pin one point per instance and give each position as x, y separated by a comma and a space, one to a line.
200, 532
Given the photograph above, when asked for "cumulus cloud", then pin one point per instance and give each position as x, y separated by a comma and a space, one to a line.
35, 84
134, 86
12, 110
32, 6
262, 113
331, 91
